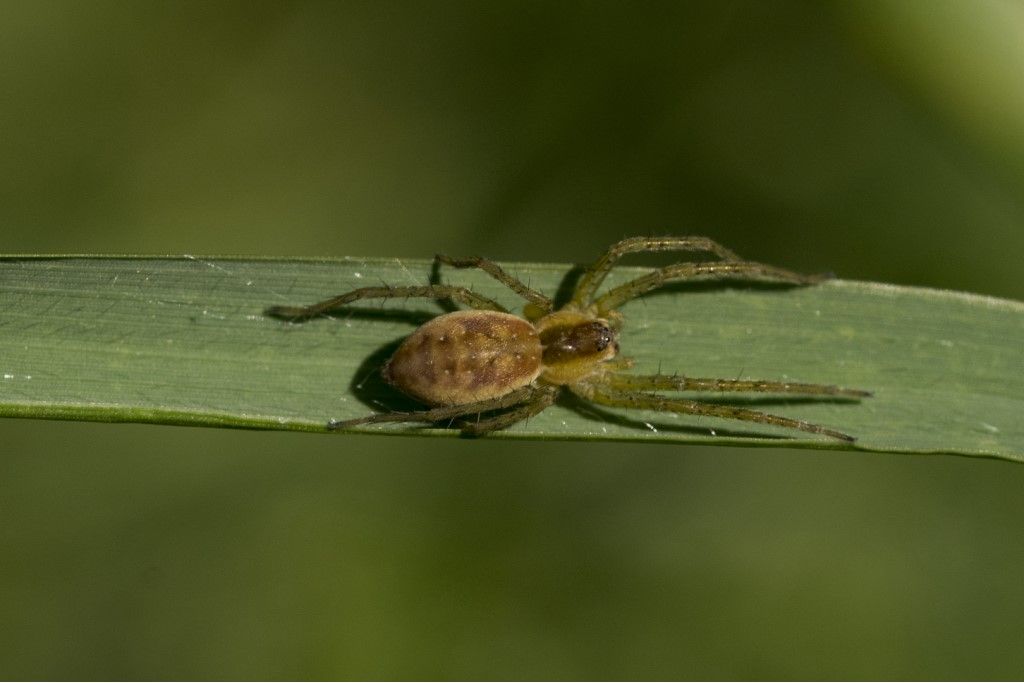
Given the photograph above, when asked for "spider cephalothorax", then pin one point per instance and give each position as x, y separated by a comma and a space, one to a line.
499, 368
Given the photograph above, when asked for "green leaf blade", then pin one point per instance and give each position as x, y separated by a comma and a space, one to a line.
183, 340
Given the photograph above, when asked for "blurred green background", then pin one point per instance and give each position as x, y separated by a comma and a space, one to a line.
882, 140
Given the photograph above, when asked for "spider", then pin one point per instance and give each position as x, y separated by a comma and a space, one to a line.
487, 369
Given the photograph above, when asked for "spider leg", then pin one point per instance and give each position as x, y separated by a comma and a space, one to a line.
681, 272
632, 399
460, 294
542, 302
625, 382
595, 274
440, 413
509, 418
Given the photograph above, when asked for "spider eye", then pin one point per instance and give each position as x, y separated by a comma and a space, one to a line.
602, 336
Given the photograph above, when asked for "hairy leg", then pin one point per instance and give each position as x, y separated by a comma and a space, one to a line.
494, 270
595, 274
460, 294
441, 413
682, 272
625, 382
631, 399
509, 418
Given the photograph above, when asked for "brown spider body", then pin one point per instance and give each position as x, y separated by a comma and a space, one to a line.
470, 356
487, 369
466, 356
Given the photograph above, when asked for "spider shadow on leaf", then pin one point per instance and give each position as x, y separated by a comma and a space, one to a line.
413, 317
367, 384
369, 387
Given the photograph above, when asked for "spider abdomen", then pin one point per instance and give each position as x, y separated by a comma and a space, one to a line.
465, 357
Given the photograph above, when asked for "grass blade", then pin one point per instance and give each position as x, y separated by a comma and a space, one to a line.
182, 340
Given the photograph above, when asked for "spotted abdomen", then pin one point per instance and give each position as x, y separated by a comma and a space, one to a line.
466, 356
